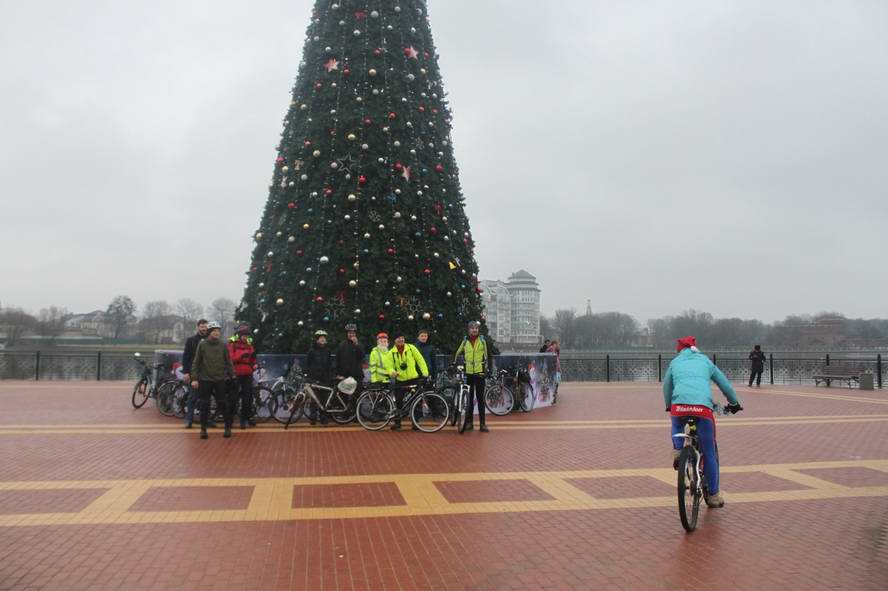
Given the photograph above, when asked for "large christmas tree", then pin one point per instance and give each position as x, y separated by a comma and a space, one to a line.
364, 221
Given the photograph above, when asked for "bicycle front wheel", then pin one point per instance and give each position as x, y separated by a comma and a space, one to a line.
180, 401
688, 489
499, 399
344, 413
429, 412
296, 408
141, 392
463, 410
375, 410
280, 409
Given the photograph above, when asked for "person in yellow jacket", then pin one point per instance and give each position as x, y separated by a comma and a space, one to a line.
382, 366
474, 350
410, 367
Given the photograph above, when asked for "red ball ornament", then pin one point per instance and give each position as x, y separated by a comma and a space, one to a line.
328, 191
392, 116
253, 268
299, 252
368, 121
399, 167
435, 111
318, 86
307, 143
346, 72
377, 52
362, 180
291, 205
381, 316
433, 230
427, 271
421, 109
279, 159
439, 168
391, 250
319, 300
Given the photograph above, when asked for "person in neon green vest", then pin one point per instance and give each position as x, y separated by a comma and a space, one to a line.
410, 367
474, 350
382, 367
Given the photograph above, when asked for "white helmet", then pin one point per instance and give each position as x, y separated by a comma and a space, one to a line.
348, 386
213, 326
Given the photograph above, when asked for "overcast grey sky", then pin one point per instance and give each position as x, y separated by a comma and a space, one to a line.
650, 156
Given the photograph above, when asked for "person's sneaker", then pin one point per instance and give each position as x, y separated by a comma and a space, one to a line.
203, 434
396, 427
188, 425
715, 501
675, 454
227, 433
470, 427
484, 429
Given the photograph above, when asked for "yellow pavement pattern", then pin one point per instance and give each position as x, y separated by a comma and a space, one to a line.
272, 498
175, 427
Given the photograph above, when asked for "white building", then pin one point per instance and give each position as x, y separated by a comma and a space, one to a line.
512, 309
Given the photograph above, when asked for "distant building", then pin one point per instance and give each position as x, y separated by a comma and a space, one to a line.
512, 309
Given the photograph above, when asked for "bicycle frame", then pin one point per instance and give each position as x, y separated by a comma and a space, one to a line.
309, 389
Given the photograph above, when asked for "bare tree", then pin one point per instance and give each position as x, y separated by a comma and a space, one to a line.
120, 312
15, 322
51, 321
223, 311
565, 324
189, 310
155, 315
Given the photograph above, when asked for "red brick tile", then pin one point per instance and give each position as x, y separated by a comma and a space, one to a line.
194, 498
477, 491
623, 487
372, 494
47, 501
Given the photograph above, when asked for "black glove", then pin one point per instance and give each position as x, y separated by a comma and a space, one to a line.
733, 408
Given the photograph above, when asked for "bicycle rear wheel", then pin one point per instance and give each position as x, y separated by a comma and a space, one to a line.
688, 489
375, 410
499, 399
280, 407
263, 403
429, 412
180, 401
164, 398
527, 397
140, 393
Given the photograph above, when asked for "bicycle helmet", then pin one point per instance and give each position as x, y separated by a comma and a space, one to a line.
320, 333
348, 386
351, 327
214, 326
474, 324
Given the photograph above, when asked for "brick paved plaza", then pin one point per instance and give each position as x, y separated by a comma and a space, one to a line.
96, 495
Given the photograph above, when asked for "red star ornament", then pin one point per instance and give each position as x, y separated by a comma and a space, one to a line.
411, 53
331, 64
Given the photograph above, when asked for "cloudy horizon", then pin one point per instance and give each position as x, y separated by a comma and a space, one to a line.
656, 157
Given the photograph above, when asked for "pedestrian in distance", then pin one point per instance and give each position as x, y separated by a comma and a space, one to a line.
545, 347
477, 362
210, 372
555, 347
757, 359
187, 359
243, 357
319, 370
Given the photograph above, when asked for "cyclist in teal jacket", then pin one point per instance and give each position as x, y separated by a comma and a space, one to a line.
687, 393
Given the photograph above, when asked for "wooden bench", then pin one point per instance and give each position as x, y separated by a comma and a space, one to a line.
839, 373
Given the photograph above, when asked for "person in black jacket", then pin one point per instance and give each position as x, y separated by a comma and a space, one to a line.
757, 357
187, 359
319, 369
545, 347
350, 357
429, 352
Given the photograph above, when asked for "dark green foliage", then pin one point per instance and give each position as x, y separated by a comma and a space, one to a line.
340, 208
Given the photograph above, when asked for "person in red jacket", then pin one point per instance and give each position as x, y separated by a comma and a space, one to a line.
243, 357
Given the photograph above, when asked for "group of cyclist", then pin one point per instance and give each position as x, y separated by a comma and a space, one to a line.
210, 367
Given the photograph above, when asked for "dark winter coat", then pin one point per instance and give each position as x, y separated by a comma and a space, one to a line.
429, 352
190, 348
350, 360
211, 362
319, 364
758, 360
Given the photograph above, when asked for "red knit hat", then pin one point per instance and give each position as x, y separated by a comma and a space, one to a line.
382, 335
685, 343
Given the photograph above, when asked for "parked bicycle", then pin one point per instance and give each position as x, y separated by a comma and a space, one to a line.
692, 471
336, 403
427, 409
507, 388
458, 392
147, 385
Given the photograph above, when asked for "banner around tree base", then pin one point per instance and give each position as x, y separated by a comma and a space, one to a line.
540, 368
